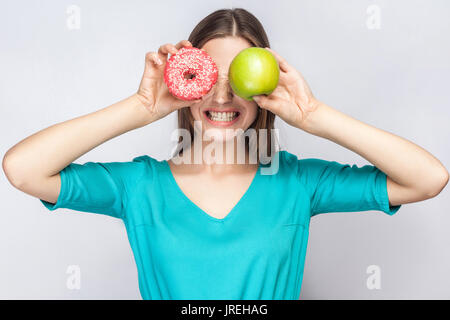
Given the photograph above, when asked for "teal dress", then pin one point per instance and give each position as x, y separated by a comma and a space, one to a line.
256, 252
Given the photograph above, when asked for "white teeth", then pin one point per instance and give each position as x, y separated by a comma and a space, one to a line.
222, 116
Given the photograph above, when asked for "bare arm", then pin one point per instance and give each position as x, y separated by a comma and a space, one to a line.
33, 164
413, 174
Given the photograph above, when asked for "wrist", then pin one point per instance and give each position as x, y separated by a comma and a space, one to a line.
313, 123
142, 110
143, 98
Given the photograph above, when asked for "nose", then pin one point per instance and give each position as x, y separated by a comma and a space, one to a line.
222, 91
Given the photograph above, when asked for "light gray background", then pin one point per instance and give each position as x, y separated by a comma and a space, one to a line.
395, 78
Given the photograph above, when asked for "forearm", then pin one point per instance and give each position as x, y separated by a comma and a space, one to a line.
403, 161
48, 151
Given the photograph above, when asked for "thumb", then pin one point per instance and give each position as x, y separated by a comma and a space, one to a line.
263, 101
260, 99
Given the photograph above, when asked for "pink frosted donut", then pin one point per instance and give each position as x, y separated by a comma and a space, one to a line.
190, 73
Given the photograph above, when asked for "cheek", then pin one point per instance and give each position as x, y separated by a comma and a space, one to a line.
252, 114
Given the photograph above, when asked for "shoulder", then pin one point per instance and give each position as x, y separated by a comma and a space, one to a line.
144, 160
123, 172
146, 164
293, 160
307, 170
140, 171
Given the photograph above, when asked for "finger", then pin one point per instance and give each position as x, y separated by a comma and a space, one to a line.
165, 49
151, 58
184, 103
183, 43
266, 103
281, 61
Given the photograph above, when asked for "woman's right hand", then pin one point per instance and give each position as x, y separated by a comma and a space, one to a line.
153, 91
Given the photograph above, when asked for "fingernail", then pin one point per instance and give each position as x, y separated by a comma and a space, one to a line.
159, 62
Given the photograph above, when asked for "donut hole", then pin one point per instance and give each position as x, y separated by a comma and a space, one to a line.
188, 75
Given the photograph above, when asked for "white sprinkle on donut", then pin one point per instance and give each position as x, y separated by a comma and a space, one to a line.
186, 63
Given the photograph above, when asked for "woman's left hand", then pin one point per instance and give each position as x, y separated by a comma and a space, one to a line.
292, 99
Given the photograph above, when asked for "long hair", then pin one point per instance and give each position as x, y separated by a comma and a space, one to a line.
222, 23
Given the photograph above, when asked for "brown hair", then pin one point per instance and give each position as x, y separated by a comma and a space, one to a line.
222, 23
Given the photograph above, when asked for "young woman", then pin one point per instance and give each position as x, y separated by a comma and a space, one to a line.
221, 230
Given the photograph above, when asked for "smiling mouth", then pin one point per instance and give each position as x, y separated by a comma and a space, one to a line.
222, 117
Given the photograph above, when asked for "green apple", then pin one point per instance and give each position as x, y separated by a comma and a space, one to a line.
252, 72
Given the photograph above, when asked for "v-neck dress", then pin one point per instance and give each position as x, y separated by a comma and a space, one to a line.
255, 252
